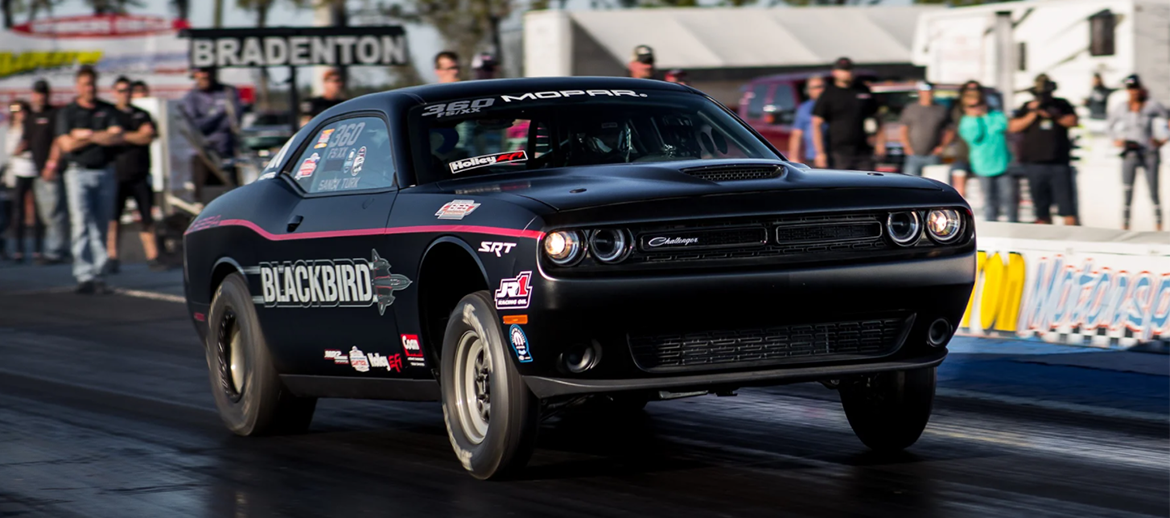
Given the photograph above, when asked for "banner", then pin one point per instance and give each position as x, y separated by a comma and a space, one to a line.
1078, 293
298, 46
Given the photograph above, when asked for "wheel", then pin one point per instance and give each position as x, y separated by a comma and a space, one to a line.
888, 411
247, 390
491, 416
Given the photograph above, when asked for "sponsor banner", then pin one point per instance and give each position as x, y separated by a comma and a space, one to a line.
329, 283
298, 46
1070, 293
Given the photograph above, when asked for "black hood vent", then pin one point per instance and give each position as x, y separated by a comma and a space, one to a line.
731, 173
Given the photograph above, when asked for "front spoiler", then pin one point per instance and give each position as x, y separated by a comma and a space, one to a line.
545, 387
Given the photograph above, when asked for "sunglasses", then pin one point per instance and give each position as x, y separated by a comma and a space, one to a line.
121, 90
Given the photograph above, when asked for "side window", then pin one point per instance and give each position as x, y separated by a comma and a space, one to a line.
346, 155
759, 99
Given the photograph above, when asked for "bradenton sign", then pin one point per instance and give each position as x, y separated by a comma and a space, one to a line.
289, 46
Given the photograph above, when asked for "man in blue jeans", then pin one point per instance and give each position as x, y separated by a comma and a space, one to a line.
87, 132
926, 131
1045, 151
800, 143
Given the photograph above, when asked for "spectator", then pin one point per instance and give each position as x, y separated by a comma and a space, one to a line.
1098, 101
1134, 128
641, 65
800, 143
844, 105
676, 75
1045, 151
986, 135
22, 173
132, 169
971, 90
48, 190
214, 110
447, 66
88, 132
332, 94
484, 66
926, 131
139, 90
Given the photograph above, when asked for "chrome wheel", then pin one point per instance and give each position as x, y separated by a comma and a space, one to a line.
473, 378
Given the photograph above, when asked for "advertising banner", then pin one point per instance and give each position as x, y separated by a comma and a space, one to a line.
1079, 293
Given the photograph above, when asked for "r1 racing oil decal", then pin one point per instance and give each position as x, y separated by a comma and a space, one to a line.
477, 162
326, 283
519, 344
457, 209
514, 293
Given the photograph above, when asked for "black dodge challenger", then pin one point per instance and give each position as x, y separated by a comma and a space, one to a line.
515, 247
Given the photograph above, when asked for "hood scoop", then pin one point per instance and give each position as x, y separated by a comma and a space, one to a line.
731, 173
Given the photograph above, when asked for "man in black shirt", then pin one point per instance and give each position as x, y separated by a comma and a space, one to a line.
87, 134
333, 94
47, 189
1045, 151
844, 105
132, 170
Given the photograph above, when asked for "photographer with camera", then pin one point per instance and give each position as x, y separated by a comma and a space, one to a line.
1045, 151
1138, 127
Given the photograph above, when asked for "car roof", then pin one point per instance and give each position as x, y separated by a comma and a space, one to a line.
486, 87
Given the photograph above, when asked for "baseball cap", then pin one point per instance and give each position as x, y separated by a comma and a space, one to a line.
1132, 81
923, 86
843, 63
41, 87
644, 54
676, 74
483, 61
1043, 84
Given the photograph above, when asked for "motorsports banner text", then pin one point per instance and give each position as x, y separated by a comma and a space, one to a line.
308, 46
1070, 294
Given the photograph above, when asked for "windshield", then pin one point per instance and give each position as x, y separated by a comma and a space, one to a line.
542, 130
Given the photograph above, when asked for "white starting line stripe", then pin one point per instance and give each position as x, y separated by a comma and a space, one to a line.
151, 295
1056, 405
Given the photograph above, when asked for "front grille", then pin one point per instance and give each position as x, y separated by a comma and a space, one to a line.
798, 343
792, 237
705, 239
733, 173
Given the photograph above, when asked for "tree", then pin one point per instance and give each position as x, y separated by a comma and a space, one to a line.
464, 25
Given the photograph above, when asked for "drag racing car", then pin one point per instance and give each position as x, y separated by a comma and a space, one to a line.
512, 248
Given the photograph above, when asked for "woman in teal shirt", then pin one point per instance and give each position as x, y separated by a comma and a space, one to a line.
985, 133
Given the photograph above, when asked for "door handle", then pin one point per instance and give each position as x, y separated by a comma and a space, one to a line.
295, 222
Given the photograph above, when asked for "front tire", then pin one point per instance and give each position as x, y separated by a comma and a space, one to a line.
889, 411
247, 390
491, 416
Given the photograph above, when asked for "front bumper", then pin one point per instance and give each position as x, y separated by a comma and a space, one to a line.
567, 314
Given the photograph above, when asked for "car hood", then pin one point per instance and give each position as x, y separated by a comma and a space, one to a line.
573, 188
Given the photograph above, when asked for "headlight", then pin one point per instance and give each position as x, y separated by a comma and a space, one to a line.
563, 247
609, 245
944, 225
903, 227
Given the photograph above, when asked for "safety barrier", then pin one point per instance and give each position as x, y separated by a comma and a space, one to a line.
1071, 285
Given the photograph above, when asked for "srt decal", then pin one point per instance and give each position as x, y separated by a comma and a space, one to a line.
477, 162
308, 166
519, 343
413, 350
357, 360
359, 161
457, 107
532, 96
337, 356
671, 241
390, 363
495, 247
347, 283
457, 209
323, 140
514, 293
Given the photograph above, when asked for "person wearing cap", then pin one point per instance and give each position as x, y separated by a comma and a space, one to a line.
214, 110
484, 65
38, 137
139, 90
926, 131
1045, 151
641, 65
132, 170
985, 132
844, 106
800, 141
447, 67
1138, 129
88, 133
676, 75
332, 94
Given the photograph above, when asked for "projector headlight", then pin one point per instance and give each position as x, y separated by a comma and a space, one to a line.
944, 225
903, 227
563, 247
